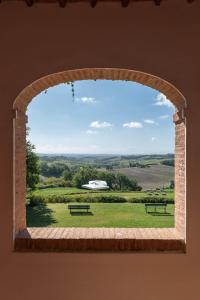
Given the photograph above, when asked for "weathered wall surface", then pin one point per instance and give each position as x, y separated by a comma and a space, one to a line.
44, 39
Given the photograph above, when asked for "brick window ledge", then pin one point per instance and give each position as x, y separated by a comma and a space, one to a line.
99, 239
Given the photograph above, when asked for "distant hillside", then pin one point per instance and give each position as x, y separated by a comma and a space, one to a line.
156, 176
151, 171
104, 160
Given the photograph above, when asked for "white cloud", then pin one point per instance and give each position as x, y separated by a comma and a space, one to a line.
153, 139
133, 125
64, 149
91, 131
97, 124
86, 99
150, 121
161, 100
164, 117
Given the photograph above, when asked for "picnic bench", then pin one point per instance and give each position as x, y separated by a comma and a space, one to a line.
155, 205
78, 207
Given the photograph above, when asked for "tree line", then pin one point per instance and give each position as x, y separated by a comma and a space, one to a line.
60, 173
116, 181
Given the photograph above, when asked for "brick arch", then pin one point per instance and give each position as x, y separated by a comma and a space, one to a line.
26, 95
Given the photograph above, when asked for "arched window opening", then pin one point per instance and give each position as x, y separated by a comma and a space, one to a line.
117, 150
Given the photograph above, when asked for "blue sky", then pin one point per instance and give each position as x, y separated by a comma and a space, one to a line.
107, 117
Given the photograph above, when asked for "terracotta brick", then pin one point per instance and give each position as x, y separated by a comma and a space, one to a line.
151, 239
163, 86
20, 106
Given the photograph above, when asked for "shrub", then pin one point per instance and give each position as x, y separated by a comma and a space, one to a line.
168, 162
108, 199
53, 182
151, 200
37, 200
34, 200
95, 199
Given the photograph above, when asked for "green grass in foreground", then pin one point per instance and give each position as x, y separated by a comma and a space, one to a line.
102, 215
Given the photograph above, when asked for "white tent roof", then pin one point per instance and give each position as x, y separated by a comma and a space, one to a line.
96, 185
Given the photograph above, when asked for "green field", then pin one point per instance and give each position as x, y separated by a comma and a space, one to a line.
102, 215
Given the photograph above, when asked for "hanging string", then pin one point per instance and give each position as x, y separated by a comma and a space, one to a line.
73, 92
72, 89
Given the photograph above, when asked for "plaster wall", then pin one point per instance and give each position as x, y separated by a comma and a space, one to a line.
45, 39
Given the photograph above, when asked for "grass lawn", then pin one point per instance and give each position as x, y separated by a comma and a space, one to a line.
102, 215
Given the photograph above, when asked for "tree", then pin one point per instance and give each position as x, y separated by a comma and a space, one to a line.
109, 167
53, 169
67, 174
168, 162
171, 184
109, 177
84, 175
124, 183
44, 168
32, 166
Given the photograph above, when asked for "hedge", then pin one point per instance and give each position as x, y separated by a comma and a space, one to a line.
33, 200
151, 200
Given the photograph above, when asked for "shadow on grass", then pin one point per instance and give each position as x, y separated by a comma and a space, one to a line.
160, 214
81, 213
39, 216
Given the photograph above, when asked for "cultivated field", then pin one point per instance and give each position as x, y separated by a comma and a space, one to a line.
155, 176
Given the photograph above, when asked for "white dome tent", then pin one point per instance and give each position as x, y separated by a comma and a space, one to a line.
96, 185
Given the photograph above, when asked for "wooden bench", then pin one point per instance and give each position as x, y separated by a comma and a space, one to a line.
78, 207
155, 205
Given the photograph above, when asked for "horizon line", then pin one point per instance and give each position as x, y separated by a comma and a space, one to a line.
71, 153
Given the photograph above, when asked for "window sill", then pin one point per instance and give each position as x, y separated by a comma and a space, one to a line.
99, 239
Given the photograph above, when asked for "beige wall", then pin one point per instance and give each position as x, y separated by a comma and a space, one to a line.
44, 39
